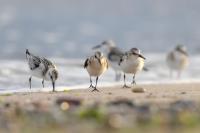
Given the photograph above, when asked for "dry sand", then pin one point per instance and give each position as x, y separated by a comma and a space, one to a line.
160, 94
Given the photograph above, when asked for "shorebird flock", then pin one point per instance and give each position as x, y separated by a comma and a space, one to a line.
129, 62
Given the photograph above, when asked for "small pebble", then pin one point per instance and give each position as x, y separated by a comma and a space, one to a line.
70, 101
7, 105
109, 93
64, 106
138, 90
183, 92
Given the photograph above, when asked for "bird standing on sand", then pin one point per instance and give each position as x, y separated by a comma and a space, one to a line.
95, 66
41, 68
113, 54
131, 63
178, 60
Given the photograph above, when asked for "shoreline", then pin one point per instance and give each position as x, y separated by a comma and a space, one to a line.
102, 85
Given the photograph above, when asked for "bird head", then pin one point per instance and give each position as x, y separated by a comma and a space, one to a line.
105, 46
53, 75
181, 48
98, 54
136, 51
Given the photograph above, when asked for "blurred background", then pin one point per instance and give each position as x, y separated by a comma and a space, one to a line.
69, 28
66, 30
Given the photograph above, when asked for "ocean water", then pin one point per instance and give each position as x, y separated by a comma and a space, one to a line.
14, 74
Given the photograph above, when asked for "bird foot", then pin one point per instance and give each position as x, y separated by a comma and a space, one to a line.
133, 83
95, 89
91, 86
125, 86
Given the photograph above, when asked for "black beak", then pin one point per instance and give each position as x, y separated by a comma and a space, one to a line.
141, 56
96, 47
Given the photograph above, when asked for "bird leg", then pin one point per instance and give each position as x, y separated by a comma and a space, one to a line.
43, 83
91, 86
30, 82
95, 88
133, 82
53, 84
125, 86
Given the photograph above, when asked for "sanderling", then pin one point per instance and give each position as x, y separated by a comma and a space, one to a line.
131, 63
41, 68
178, 60
96, 65
113, 54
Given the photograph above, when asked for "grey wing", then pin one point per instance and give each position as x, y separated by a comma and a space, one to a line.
34, 62
47, 63
115, 55
86, 63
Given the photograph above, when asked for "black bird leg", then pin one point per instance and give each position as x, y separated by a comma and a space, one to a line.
91, 86
30, 82
53, 84
133, 82
43, 83
95, 88
125, 86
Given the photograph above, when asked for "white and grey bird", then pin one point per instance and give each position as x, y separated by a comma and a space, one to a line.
96, 65
113, 55
41, 68
177, 60
131, 63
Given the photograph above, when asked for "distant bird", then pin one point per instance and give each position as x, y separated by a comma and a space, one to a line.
131, 63
96, 65
41, 68
178, 60
113, 55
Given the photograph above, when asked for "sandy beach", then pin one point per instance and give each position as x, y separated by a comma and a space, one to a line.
110, 109
160, 94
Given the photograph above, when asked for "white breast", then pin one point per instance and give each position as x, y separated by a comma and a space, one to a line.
132, 64
94, 68
177, 61
38, 72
